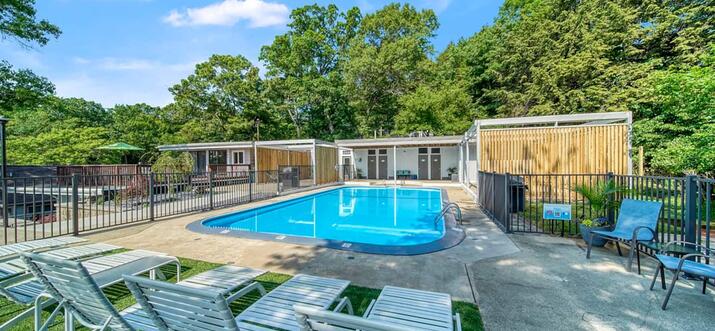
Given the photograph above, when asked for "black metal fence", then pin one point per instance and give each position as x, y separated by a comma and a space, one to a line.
516, 202
41, 207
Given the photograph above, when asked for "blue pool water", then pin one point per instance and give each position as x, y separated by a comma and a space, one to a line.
368, 215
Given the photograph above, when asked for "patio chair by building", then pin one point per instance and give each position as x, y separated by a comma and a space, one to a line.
637, 222
685, 264
396, 309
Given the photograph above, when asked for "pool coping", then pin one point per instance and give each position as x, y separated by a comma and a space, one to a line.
453, 235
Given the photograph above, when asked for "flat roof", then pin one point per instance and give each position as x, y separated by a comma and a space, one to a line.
294, 143
400, 141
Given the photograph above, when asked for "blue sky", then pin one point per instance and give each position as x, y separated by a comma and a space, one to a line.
131, 51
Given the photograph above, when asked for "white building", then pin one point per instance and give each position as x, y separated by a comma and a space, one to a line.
422, 158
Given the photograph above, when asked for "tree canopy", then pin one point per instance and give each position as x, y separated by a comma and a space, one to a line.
18, 21
345, 74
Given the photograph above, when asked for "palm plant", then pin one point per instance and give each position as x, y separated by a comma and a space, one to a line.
599, 198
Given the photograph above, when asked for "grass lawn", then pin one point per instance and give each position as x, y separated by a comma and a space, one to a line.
119, 295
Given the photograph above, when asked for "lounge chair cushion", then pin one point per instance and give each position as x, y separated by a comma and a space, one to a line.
691, 267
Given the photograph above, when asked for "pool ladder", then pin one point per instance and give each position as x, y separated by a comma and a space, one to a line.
447, 208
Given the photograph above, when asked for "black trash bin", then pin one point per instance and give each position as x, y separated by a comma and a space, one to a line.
517, 191
290, 178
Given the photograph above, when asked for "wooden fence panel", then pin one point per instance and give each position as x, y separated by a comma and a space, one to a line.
556, 150
327, 160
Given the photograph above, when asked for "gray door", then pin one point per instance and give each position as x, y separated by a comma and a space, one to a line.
372, 167
436, 166
200, 162
423, 166
383, 167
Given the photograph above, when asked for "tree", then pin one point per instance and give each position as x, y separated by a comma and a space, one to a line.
61, 146
140, 125
220, 101
677, 120
388, 59
305, 71
18, 21
21, 89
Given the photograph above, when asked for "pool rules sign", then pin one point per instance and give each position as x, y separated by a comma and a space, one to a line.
555, 211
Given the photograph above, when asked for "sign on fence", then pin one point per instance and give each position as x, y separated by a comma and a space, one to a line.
556, 211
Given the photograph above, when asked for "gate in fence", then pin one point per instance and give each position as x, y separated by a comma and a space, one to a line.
516, 202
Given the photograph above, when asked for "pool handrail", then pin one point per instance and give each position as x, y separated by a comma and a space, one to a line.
448, 207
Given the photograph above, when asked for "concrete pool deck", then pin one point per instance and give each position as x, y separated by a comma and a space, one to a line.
521, 282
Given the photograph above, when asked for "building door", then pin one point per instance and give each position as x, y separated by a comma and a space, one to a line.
422, 164
200, 162
435, 164
382, 167
347, 169
371, 166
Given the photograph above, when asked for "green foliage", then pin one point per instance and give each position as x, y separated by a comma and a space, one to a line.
387, 60
173, 162
220, 101
336, 74
305, 76
61, 146
599, 195
677, 125
594, 223
21, 89
140, 125
18, 21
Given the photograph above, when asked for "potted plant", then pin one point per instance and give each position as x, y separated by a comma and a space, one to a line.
599, 199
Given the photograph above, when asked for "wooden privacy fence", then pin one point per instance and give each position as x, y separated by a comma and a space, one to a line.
326, 159
270, 159
552, 150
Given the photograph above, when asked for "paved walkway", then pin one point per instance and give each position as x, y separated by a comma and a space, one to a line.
551, 285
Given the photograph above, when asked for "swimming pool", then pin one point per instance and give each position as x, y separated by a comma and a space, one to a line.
372, 219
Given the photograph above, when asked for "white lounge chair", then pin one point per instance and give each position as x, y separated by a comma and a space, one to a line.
79, 293
396, 309
175, 307
11, 251
16, 266
106, 271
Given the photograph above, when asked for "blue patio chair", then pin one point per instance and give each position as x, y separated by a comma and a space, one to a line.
684, 264
637, 221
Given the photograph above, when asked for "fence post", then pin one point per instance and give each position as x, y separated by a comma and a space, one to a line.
151, 196
691, 205
5, 218
610, 213
211, 190
251, 177
75, 204
507, 198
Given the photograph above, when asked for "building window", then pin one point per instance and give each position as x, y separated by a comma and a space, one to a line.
238, 158
383, 151
423, 150
370, 152
435, 150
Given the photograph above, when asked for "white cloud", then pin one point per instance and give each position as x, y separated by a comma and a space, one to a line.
258, 13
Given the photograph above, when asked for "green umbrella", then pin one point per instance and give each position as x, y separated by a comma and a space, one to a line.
120, 147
